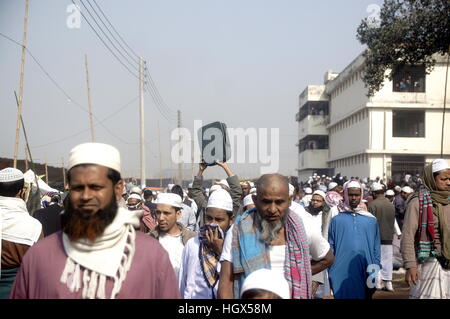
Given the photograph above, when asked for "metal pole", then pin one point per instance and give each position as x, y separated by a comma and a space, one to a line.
445, 102
141, 102
180, 167
46, 173
91, 125
22, 74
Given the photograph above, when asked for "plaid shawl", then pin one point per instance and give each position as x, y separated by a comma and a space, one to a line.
425, 233
250, 254
208, 260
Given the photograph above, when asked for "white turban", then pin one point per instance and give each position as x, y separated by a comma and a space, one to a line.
320, 193
376, 187
248, 200
332, 185
10, 174
220, 199
269, 280
390, 192
95, 153
308, 190
169, 199
407, 190
439, 165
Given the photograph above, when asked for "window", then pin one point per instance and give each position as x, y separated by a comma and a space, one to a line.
409, 79
408, 124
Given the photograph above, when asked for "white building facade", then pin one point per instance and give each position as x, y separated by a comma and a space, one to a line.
394, 132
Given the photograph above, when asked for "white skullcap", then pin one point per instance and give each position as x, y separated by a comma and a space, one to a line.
376, 187
407, 190
248, 200
136, 190
135, 196
439, 165
323, 188
170, 186
269, 280
291, 189
353, 184
169, 199
220, 199
390, 192
253, 191
320, 193
95, 153
308, 190
398, 188
332, 185
10, 174
224, 182
190, 185
215, 188
252, 185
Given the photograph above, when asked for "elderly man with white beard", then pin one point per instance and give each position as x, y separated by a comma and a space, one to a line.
267, 236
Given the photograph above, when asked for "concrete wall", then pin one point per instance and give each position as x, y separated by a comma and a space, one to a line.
313, 125
313, 159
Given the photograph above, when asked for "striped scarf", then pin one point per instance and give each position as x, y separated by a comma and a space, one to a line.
425, 233
250, 254
209, 260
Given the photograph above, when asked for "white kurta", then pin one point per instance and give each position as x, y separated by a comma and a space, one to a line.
174, 247
191, 281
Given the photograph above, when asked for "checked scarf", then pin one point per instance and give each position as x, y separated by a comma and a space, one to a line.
208, 259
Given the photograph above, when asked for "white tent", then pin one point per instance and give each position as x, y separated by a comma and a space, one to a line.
30, 178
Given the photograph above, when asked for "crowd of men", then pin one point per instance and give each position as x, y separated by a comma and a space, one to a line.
327, 237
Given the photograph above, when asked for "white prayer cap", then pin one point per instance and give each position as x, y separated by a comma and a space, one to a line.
135, 196
220, 199
390, 192
308, 190
407, 190
332, 185
320, 193
190, 185
398, 188
224, 182
10, 174
170, 186
439, 165
253, 191
323, 188
376, 187
215, 188
269, 280
291, 189
248, 200
169, 199
95, 153
252, 185
353, 184
135, 190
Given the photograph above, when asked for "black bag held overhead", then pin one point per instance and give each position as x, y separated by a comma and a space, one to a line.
214, 143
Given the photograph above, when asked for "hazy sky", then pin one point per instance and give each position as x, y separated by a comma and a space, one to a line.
241, 62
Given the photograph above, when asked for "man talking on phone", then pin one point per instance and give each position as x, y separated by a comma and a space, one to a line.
200, 266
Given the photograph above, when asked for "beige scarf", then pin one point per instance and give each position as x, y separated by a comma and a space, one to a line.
110, 256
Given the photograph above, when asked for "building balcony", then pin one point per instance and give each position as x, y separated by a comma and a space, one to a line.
313, 125
313, 159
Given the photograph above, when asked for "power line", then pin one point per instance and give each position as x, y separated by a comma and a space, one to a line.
101, 39
112, 26
165, 112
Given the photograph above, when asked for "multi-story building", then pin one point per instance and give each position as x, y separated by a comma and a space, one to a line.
394, 132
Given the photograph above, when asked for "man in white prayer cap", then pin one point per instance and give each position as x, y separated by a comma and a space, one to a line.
172, 235
98, 254
234, 188
200, 266
400, 204
18, 230
384, 211
265, 284
425, 243
308, 195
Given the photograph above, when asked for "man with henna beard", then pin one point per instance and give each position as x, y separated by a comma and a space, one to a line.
98, 253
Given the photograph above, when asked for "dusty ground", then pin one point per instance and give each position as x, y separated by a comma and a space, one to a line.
401, 289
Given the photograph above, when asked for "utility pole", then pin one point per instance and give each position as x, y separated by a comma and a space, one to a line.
445, 103
141, 102
192, 159
46, 172
91, 125
64, 173
160, 159
180, 167
22, 71
26, 159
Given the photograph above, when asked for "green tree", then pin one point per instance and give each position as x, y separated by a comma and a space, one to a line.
407, 32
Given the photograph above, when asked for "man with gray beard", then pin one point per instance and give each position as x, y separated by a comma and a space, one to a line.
267, 236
